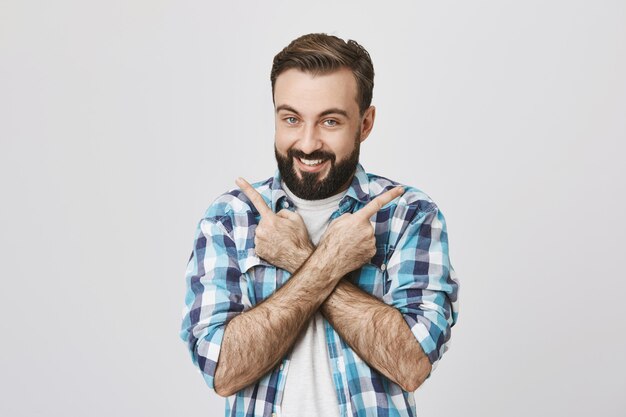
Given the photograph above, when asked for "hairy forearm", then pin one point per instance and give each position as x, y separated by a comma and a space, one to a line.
378, 334
255, 341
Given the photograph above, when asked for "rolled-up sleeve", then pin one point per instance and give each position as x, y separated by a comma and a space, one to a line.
213, 295
422, 283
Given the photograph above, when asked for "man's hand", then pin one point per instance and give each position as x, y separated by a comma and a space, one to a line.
351, 236
282, 238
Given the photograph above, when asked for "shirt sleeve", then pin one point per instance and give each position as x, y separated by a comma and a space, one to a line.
213, 296
423, 285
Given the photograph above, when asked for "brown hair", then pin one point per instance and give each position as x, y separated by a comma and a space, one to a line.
322, 53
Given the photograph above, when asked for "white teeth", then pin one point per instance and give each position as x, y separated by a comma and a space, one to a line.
311, 162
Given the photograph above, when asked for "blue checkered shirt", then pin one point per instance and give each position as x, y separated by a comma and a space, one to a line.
411, 271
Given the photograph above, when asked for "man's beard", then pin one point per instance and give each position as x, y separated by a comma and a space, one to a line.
309, 187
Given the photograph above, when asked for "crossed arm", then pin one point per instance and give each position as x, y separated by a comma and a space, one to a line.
378, 334
376, 331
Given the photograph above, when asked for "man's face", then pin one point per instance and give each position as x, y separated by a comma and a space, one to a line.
318, 131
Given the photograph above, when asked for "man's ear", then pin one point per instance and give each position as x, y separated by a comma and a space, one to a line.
367, 122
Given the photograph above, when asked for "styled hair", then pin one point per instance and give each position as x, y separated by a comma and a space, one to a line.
319, 53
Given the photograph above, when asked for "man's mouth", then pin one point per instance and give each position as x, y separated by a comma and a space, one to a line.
311, 162
311, 165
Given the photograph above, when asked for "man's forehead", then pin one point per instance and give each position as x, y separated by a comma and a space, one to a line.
299, 89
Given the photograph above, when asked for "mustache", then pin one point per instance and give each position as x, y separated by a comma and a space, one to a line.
319, 154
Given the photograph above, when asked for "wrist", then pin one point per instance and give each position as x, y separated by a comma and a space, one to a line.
326, 257
300, 257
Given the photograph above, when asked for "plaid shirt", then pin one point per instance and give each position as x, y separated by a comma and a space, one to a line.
411, 271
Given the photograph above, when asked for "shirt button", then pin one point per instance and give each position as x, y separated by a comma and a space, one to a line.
285, 204
383, 267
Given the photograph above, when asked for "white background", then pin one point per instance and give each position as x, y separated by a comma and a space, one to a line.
120, 121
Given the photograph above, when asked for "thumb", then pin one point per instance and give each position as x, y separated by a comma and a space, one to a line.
288, 214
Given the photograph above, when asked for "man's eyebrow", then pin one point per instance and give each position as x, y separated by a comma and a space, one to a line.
287, 108
334, 110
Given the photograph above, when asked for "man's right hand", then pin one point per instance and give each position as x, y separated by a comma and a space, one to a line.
282, 238
350, 238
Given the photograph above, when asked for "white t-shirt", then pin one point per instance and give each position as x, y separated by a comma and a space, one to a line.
309, 387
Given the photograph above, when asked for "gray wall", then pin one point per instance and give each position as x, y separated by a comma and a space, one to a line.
120, 121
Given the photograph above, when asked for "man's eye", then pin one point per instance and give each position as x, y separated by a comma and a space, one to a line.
291, 120
330, 122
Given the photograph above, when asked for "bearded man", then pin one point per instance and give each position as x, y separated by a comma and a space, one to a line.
323, 290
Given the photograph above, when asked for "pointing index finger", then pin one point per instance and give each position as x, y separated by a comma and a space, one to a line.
379, 202
254, 197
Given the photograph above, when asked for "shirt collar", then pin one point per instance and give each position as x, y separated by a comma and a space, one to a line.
360, 187
359, 190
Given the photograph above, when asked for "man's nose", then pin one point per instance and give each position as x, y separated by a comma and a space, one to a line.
310, 140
